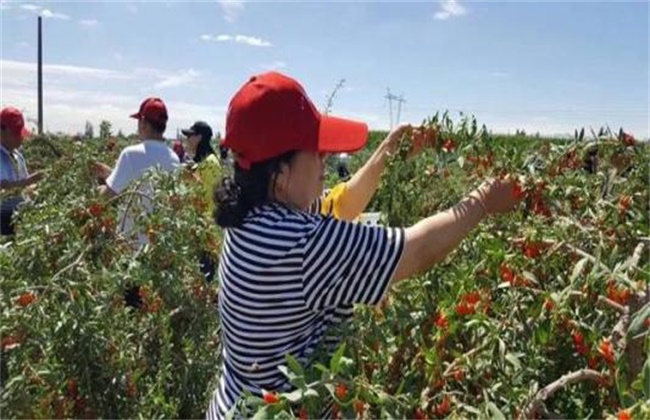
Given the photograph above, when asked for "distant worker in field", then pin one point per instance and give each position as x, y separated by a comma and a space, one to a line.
342, 167
206, 167
178, 148
134, 161
289, 277
14, 177
151, 152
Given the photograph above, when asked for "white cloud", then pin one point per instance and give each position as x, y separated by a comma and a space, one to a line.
240, 39
4, 5
18, 67
184, 77
74, 95
88, 22
276, 65
30, 7
231, 9
499, 74
117, 56
48, 14
132, 8
448, 9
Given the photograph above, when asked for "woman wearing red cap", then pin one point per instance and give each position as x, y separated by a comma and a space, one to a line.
287, 276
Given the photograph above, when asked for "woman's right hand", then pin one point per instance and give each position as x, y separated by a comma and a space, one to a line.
497, 195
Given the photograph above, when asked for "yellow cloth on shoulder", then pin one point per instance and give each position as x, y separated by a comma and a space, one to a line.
331, 202
209, 170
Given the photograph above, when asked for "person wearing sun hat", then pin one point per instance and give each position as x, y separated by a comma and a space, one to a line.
133, 163
13, 168
135, 160
289, 277
207, 169
152, 150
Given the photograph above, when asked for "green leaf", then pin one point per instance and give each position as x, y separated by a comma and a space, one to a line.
542, 335
530, 276
638, 320
461, 161
311, 392
321, 367
330, 388
578, 268
285, 372
471, 409
513, 360
335, 363
495, 412
294, 396
262, 414
502, 349
294, 365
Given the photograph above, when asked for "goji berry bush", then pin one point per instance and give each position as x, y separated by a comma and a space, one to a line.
539, 313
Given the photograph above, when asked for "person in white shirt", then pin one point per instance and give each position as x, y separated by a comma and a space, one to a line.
134, 161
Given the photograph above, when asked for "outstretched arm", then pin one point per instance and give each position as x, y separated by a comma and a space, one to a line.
363, 184
31, 179
432, 239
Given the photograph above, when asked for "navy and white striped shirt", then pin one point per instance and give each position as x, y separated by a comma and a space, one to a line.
287, 278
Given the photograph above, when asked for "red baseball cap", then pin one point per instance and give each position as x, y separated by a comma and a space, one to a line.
11, 118
153, 109
271, 115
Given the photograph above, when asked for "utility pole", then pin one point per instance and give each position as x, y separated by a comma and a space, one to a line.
399, 99
40, 77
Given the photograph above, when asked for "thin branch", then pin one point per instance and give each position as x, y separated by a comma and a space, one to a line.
550, 389
636, 255
330, 98
603, 301
456, 361
619, 333
71, 265
591, 258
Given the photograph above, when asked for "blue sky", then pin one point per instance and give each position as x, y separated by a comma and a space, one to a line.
546, 67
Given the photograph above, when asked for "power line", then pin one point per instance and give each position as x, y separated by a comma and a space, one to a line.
399, 99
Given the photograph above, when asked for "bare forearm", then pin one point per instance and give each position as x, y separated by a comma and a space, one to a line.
432, 239
102, 171
363, 184
106, 192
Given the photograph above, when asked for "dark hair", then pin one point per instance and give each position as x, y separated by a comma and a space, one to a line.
203, 149
223, 151
246, 190
156, 126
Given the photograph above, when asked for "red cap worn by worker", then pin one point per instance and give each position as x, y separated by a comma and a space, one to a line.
12, 119
153, 109
271, 115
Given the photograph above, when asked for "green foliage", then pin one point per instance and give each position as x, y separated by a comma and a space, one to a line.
465, 339
77, 350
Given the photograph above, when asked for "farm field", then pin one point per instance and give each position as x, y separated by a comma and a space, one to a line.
541, 313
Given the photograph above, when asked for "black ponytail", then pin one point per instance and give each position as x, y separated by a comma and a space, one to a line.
246, 190
203, 150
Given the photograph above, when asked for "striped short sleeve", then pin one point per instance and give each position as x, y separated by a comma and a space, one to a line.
348, 263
